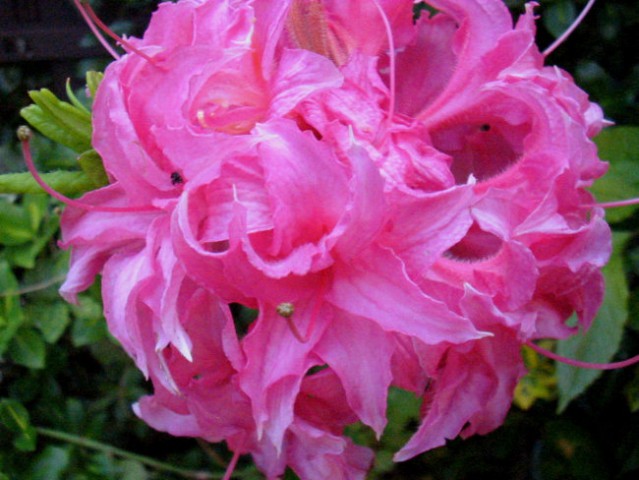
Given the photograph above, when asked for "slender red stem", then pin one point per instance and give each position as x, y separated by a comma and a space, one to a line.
95, 30
570, 29
24, 135
619, 203
294, 330
101, 25
579, 363
232, 464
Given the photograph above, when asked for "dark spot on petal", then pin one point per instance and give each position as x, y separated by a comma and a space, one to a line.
485, 127
176, 178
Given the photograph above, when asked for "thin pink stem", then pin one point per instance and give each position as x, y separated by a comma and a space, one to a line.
619, 203
570, 29
24, 135
294, 330
232, 464
391, 54
580, 364
95, 30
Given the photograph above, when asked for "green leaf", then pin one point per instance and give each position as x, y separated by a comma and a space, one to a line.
133, 470
25, 255
27, 440
52, 320
93, 81
91, 164
15, 224
74, 100
601, 342
620, 147
15, 418
89, 325
60, 121
13, 415
11, 316
51, 464
28, 349
539, 383
67, 183
36, 207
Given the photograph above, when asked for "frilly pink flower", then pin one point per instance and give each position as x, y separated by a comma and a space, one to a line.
401, 218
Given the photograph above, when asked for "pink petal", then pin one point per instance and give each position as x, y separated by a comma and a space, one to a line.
366, 380
375, 286
276, 361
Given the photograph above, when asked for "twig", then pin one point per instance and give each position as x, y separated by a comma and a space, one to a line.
111, 450
35, 287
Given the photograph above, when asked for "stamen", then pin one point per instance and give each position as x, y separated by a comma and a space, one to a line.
95, 30
570, 29
391, 55
579, 363
24, 135
286, 310
619, 203
232, 464
86, 7
309, 28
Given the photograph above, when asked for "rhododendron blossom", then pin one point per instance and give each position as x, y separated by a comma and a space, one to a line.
403, 201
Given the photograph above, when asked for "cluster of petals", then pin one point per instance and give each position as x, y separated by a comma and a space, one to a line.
403, 201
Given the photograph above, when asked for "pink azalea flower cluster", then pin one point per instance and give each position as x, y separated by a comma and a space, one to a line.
402, 201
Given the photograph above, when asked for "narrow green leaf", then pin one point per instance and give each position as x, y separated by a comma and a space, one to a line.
93, 81
602, 341
15, 418
15, 224
620, 147
74, 100
28, 349
13, 415
58, 120
67, 183
27, 440
91, 164
11, 316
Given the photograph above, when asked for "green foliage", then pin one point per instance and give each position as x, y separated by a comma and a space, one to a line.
620, 147
15, 418
600, 343
60, 121
540, 383
559, 16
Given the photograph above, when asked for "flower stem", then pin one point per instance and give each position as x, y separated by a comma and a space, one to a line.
111, 450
